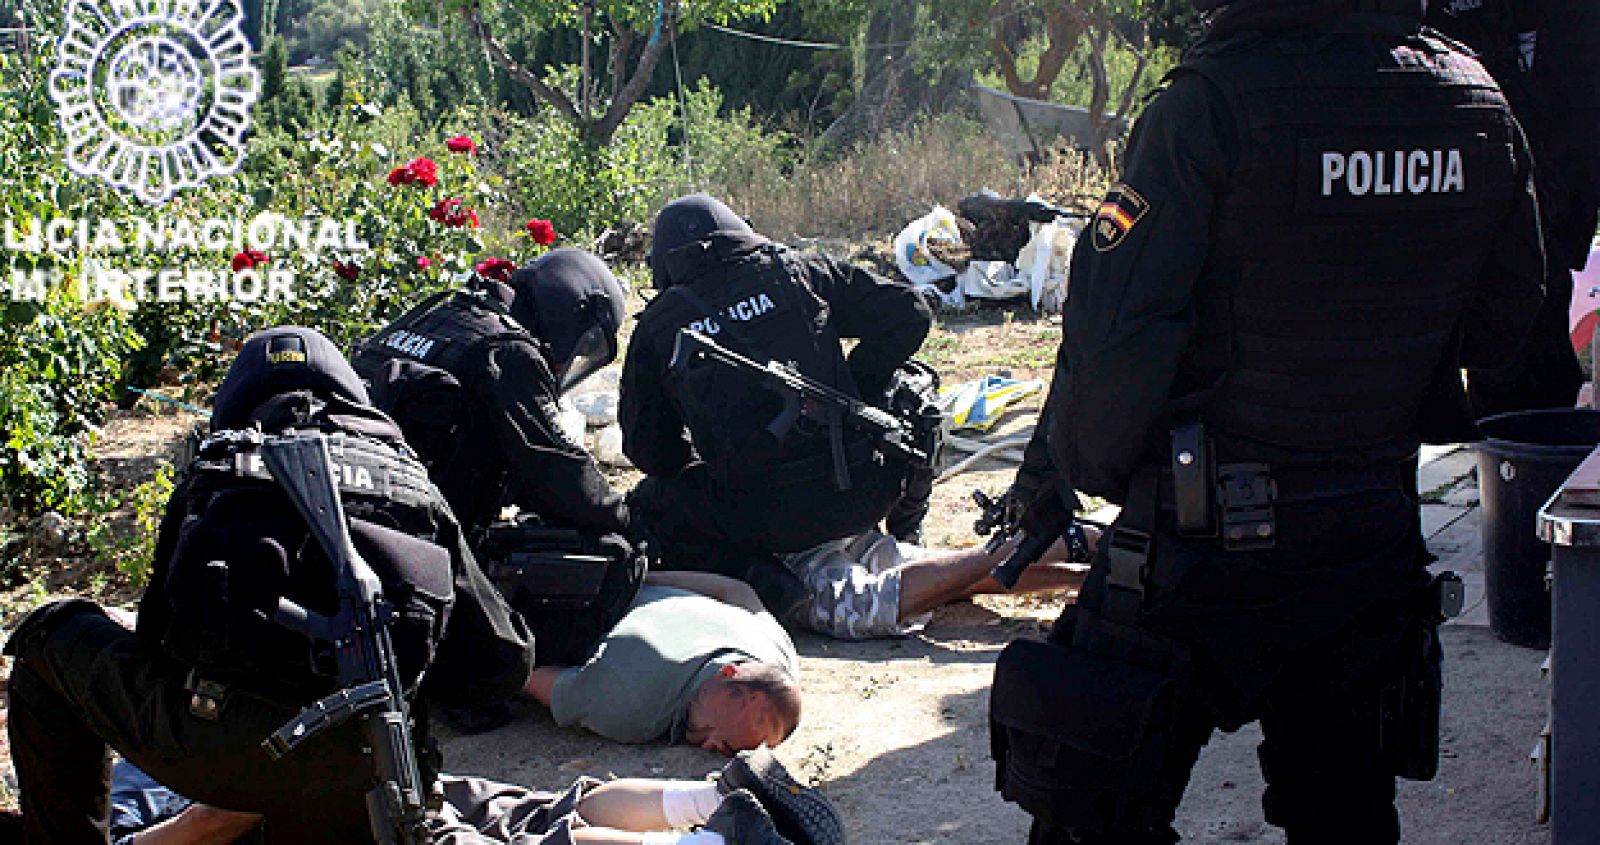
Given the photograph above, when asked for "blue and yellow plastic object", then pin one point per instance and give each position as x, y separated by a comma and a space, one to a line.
978, 405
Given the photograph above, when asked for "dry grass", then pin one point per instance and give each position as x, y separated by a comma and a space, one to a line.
877, 188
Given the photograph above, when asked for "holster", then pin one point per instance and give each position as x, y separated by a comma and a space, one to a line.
1409, 707
557, 565
571, 587
1083, 727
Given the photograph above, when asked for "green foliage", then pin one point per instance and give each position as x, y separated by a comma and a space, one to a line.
59, 360
637, 16
554, 174
431, 69
1075, 88
329, 25
59, 363
129, 547
274, 69
287, 102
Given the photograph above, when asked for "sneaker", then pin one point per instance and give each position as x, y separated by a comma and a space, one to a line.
800, 812
740, 820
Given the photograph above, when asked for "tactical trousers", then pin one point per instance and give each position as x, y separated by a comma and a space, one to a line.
703, 525
82, 685
1326, 783
1302, 637
693, 514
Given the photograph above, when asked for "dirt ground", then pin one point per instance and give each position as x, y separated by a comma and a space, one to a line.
895, 731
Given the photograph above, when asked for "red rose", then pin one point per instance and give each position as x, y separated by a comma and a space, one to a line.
450, 212
543, 232
424, 262
424, 171
249, 260
461, 144
418, 171
348, 272
498, 269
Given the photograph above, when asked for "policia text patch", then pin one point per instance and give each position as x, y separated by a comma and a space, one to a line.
1380, 174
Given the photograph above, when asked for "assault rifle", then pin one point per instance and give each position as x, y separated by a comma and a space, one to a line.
915, 442
359, 636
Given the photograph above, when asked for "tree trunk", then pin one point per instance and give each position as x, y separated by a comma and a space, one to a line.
1064, 23
596, 132
892, 95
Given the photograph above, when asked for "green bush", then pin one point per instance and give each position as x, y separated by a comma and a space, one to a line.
654, 156
59, 364
59, 360
128, 549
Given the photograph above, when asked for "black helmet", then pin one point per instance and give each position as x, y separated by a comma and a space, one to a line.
278, 361
569, 299
685, 221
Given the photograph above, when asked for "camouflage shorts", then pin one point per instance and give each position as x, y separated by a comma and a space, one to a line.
854, 586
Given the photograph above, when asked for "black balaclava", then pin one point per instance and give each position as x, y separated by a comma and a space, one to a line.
687, 222
278, 361
570, 300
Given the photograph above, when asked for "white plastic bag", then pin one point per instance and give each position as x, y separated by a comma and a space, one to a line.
911, 250
991, 280
1044, 263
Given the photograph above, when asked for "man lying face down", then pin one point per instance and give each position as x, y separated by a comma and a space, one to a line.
696, 659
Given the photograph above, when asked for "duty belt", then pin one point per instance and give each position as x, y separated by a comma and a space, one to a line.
1247, 494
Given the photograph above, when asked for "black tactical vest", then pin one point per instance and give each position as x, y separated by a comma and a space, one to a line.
420, 370
760, 305
239, 544
1372, 174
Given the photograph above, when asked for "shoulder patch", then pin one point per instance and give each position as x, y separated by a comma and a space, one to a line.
1119, 212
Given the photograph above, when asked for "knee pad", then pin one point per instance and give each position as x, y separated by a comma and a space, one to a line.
1090, 742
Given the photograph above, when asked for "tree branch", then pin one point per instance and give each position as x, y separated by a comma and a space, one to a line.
1125, 102
1099, 93
617, 62
602, 130
498, 55
1064, 24
1007, 60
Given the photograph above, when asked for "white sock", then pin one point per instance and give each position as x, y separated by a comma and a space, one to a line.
699, 837
687, 803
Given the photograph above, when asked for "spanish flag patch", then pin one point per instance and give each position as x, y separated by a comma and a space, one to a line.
1119, 212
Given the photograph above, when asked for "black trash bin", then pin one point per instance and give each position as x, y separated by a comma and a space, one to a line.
1523, 460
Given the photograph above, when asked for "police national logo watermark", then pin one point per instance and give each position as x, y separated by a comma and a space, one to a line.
154, 96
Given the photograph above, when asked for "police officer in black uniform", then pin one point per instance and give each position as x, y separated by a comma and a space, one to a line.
207, 676
720, 487
1321, 220
1541, 54
473, 377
